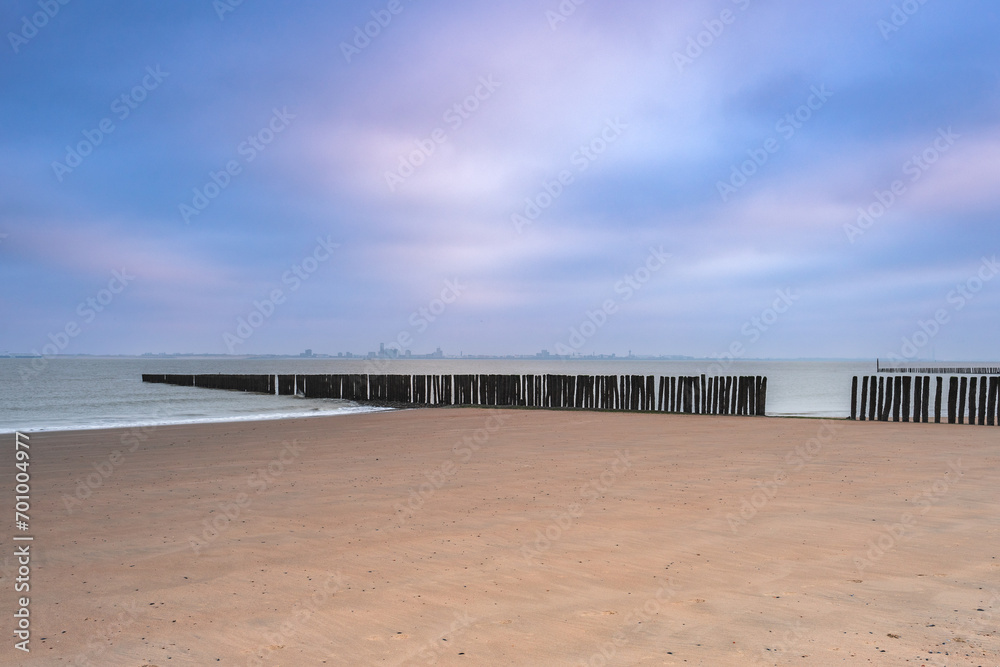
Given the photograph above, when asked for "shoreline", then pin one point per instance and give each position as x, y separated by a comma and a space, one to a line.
385, 406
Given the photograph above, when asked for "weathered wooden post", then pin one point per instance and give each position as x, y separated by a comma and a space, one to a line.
887, 400
872, 402
973, 381
863, 409
982, 400
991, 401
962, 391
880, 402
926, 398
854, 398
907, 382
952, 398
937, 400
897, 397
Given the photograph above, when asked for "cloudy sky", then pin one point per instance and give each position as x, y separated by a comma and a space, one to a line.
499, 178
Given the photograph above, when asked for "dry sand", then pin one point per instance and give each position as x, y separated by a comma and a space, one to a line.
515, 537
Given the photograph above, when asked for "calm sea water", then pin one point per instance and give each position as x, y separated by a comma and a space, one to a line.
101, 393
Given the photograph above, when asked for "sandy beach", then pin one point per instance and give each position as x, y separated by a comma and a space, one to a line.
513, 537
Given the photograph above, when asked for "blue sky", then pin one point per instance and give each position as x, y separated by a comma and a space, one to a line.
490, 178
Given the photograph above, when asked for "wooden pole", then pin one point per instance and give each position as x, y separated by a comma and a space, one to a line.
763, 396
880, 403
952, 398
887, 400
937, 400
872, 403
991, 401
926, 398
962, 391
973, 381
907, 381
854, 398
863, 410
982, 400
897, 397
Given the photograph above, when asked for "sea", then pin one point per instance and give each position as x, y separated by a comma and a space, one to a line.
70, 393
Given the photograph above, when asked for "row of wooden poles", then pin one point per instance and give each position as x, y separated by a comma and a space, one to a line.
966, 370
895, 398
259, 384
717, 395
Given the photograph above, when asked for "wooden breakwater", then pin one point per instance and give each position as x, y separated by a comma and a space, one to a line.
915, 398
698, 394
957, 370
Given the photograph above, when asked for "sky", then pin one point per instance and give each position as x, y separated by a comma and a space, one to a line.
783, 179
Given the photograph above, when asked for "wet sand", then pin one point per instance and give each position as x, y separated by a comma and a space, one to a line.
514, 537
